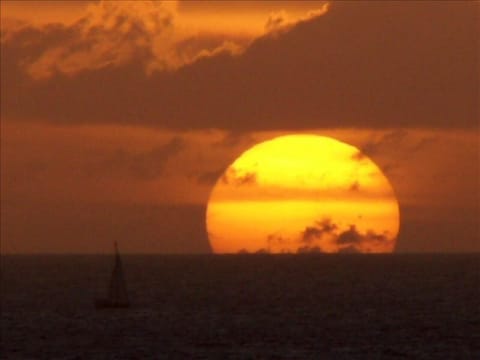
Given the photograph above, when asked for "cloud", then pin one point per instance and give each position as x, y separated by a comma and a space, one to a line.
350, 240
275, 240
353, 237
361, 65
373, 147
399, 144
281, 21
112, 34
145, 165
234, 138
316, 232
276, 21
239, 178
209, 177
326, 231
355, 187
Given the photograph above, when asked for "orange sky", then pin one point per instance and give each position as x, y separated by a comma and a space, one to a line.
117, 126
210, 16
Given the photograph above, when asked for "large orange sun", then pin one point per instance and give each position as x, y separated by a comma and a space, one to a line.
302, 193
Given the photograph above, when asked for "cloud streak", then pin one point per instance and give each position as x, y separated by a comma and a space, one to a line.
146, 165
398, 143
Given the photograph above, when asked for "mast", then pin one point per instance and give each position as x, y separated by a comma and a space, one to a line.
118, 291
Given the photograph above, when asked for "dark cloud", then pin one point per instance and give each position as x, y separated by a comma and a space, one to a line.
355, 186
363, 64
275, 240
311, 233
233, 177
314, 233
353, 237
350, 236
349, 240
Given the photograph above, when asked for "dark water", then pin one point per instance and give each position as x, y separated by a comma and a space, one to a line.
244, 307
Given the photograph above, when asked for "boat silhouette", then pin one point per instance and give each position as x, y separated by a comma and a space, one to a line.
117, 296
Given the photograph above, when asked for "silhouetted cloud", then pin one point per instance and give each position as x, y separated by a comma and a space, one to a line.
350, 240
355, 186
352, 236
315, 232
276, 240
315, 75
233, 177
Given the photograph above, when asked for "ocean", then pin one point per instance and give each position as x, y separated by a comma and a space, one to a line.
243, 307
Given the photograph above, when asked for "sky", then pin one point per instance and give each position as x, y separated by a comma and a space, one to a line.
117, 118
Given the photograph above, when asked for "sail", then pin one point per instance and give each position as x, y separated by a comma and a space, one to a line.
117, 293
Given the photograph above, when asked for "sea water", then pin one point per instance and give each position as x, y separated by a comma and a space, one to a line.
243, 307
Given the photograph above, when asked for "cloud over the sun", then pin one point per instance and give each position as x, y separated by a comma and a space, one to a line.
349, 240
362, 64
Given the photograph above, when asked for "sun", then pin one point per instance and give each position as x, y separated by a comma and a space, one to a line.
301, 194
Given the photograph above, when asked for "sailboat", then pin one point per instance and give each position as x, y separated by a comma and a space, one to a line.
117, 296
